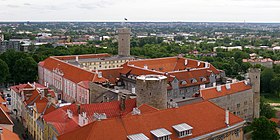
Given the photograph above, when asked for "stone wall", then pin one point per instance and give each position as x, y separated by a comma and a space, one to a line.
152, 92
240, 104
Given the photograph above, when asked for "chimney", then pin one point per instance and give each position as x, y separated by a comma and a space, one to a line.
219, 88
207, 65
100, 116
77, 58
202, 86
198, 63
122, 105
145, 66
186, 62
227, 118
133, 90
214, 84
228, 86
99, 74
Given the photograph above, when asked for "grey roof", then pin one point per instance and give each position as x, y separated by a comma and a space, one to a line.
161, 132
182, 127
139, 136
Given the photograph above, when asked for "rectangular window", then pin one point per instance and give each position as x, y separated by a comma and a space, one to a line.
238, 105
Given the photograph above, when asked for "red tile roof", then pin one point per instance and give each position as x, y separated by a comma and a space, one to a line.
205, 117
84, 84
59, 120
84, 56
8, 135
111, 74
276, 120
212, 92
4, 118
172, 67
71, 72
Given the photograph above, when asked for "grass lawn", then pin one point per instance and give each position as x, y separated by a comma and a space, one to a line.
271, 99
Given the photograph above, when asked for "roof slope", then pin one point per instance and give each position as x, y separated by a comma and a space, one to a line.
212, 92
8, 135
63, 124
204, 117
71, 72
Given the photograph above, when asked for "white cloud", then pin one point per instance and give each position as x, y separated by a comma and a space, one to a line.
141, 10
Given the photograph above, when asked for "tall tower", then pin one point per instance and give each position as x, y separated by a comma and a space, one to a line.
124, 41
152, 90
254, 76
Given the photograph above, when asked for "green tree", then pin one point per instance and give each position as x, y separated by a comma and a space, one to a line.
266, 110
266, 77
4, 71
25, 70
264, 129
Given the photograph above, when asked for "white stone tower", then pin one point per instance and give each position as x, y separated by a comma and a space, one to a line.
124, 41
152, 90
254, 76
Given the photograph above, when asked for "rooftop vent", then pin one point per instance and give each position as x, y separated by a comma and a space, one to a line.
99, 116
228, 86
77, 58
183, 130
83, 120
136, 111
69, 113
198, 63
161, 133
145, 66
139, 136
219, 88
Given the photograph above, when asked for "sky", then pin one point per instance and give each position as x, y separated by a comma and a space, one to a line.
141, 10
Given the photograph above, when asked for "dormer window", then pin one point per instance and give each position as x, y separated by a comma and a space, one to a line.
161, 134
183, 82
203, 79
139, 136
183, 130
193, 80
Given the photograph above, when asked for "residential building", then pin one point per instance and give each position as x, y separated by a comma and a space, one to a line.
72, 117
203, 120
6, 134
236, 97
5, 120
7, 45
184, 76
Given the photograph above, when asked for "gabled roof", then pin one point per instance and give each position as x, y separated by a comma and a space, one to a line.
4, 118
62, 123
210, 93
71, 72
111, 74
205, 117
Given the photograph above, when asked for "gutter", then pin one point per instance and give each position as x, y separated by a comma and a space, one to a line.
218, 131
